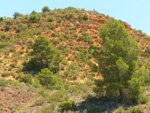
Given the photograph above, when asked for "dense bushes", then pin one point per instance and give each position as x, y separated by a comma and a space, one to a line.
26, 78
33, 65
50, 19
46, 78
35, 18
9, 21
68, 16
20, 27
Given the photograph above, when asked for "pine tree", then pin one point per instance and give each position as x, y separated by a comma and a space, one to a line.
43, 49
116, 61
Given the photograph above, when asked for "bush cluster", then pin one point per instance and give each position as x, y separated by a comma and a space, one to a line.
67, 105
35, 18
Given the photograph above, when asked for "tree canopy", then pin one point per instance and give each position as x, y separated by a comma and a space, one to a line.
43, 49
116, 61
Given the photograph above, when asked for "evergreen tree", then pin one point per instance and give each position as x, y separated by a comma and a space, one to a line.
116, 61
43, 49
16, 14
45, 9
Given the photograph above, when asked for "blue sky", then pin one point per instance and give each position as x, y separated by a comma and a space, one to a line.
134, 12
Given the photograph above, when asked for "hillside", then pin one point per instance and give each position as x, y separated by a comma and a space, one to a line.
71, 32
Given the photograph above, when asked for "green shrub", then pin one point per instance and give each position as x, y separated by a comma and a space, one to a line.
83, 30
5, 74
59, 20
147, 49
55, 41
49, 108
136, 109
8, 21
33, 65
52, 27
36, 82
3, 45
1, 19
45, 9
50, 19
21, 52
94, 109
33, 12
56, 96
46, 78
72, 71
54, 68
68, 16
42, 92
4, 82
39, 102
20, 27
7, 27
85, 17
85, 34
67, 105
35, 18
80, 18
4, 36
119, 110
26, 78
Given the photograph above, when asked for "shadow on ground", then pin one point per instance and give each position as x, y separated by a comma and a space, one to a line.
101, 105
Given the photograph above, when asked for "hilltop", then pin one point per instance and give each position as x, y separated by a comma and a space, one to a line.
72, 33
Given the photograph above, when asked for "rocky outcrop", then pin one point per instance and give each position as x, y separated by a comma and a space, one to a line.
127, 26
102, 21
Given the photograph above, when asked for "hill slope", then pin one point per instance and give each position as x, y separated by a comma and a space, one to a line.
71, 32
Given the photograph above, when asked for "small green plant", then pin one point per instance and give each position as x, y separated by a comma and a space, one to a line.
136, 109
39, 102
50, 19
59, 20
7, 27
20, 27
5, 74
26, 78
72, 71
3, 36
85, 17
35, 18
9, 21
46, 78
36, 82
68, 16
52, 27
57, 96
42, 92
67, 105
